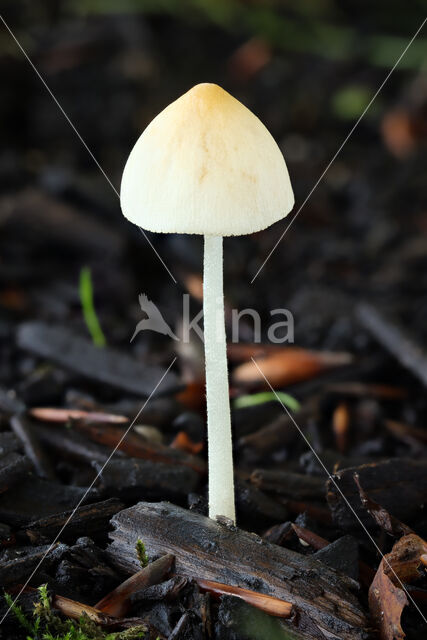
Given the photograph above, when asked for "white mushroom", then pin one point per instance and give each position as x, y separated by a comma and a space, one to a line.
207, 165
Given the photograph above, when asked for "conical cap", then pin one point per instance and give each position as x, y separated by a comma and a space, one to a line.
207, 165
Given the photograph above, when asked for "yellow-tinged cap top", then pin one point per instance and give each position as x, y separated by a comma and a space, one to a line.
207, 165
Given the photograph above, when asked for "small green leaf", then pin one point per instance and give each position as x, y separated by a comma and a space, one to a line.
267, 396
348, 103
89, 313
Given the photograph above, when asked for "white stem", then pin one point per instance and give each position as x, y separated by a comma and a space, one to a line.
221, 480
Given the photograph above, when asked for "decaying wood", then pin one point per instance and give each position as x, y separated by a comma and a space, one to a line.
91, 518
34, 498
316, 512
205, 549
138, 447
106, 365
32, 447
8, 443
256, 505
399, 485
116, 603
280, 432
295, 485
383, 518
72, 444
366, 574
18, 569
279, 533
7, 538
13, 467
133, 479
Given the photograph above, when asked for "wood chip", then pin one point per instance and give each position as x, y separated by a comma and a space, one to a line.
105, 366
207, 550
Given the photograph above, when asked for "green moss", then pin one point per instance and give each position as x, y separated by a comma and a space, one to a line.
141, 553
47, 626
19, 614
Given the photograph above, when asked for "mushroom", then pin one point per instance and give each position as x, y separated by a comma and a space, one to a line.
207, 165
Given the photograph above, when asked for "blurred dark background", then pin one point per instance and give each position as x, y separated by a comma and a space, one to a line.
307, 69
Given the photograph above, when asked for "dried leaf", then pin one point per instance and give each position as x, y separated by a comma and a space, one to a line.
48, 414
397, 133
183, 442
116, 603
194, 284
288, 366
243, 351
387, 599
193, 396
340, 426
73, 609
269, 604
386, 604
309, 537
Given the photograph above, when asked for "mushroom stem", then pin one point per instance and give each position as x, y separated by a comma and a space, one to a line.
221, 480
